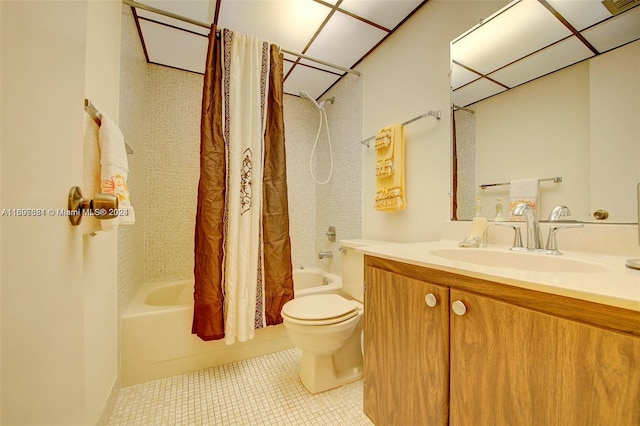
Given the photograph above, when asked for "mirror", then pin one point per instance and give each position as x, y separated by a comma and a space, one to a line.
549, 90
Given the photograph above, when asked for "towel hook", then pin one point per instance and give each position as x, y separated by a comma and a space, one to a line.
102, 206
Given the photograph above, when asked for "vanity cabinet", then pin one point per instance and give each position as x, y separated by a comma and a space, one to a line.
513, 357
406, 362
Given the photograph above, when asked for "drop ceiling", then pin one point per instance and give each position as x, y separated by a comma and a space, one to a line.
531, 38
339, 32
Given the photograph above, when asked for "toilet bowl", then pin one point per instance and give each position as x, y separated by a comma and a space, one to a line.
327, 328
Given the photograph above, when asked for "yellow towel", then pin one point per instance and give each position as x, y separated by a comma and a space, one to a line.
390, 191
384, 153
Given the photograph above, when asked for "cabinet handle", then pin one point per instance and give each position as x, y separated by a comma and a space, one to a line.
431, 300
459, 308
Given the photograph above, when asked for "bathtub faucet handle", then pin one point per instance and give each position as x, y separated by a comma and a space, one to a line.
324, 254
331, 234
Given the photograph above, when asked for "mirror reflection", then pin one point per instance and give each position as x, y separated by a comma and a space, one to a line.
576, 131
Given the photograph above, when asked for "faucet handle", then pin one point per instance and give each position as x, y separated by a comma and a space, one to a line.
552, 244
557, 212
517, 237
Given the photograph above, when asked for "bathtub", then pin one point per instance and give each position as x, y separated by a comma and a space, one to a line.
156, 339
308, 281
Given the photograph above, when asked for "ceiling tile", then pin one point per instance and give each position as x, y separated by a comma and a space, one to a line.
288, 23
581, 13
173, 22
312, 81
461, 76
541, 63
527, 27
344, 40
174, 48
388, 13
286, 66
615, 32
474, 92
201, 11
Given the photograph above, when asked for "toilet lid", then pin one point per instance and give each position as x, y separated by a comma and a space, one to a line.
320, 309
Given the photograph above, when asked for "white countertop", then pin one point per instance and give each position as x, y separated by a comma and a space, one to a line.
613, 284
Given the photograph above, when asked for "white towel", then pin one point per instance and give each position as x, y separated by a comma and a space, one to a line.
114, 170
524, 191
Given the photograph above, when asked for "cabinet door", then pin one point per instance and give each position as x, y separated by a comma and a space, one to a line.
405, 351
598, 374
502, 363
514, 366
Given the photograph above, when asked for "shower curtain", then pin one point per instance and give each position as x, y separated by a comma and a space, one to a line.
243, 272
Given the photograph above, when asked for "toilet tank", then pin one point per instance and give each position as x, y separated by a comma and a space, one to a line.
352, 266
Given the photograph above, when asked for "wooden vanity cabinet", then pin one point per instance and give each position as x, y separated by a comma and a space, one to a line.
514, 357
406, 362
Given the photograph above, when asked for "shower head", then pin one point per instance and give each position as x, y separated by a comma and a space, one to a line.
305, 95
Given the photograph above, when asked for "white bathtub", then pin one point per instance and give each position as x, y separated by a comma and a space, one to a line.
156, 339
315, 281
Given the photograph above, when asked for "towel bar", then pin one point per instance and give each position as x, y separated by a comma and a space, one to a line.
556, 179
436, 114
94, 113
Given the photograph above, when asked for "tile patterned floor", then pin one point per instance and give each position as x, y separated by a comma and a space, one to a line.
260, 391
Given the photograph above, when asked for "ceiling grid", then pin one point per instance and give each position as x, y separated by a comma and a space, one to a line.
338, 32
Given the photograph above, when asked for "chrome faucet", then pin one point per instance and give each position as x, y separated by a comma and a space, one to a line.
557, 212
324, 254
534, 237
554, 216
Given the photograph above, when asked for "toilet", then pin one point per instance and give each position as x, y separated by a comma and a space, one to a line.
328, 328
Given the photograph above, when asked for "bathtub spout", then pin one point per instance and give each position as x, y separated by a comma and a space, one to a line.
324, 254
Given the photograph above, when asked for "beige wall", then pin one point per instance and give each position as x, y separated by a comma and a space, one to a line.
102, 74
614, 83
407, 76
58, 287
537, 138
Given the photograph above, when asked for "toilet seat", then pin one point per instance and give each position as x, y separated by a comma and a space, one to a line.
321, 309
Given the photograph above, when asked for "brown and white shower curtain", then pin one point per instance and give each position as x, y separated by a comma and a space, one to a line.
243, 272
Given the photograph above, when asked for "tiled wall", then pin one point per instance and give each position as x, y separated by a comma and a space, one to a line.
133, 84
299, 136
172, 172
465, 122
339, 202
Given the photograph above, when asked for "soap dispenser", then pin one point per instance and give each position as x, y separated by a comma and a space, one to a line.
499, 216
479, 229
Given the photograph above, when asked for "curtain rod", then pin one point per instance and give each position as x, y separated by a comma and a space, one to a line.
436, 114
469, 110
205, 25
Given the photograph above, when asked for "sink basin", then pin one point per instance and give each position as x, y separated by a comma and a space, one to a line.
536, 262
